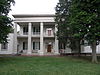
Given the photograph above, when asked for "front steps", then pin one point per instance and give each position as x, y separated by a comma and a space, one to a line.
37, 54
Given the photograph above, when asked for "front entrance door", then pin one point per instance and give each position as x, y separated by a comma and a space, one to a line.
48, 48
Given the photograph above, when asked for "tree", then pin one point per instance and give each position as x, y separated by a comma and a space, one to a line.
82, 21
85, 19
65, 30
5, 21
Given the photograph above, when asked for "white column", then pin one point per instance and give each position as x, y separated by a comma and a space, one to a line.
21, 30
0, 47
56, 41
82, 48
41, 39
15, 39
98, 47
29, 51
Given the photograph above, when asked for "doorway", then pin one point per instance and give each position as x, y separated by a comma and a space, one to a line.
48, 48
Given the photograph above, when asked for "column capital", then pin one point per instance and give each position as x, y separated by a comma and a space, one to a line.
29, 23
41, 23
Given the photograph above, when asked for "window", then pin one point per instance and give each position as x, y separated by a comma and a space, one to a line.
24, 45
33, 45
36, 45
36, 30
49, 32
4, 46
25, 30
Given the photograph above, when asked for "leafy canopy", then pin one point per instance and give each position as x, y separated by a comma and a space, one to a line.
85, 19
5, 21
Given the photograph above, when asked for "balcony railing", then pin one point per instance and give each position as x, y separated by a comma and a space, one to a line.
25, 33
36, 33
48, 35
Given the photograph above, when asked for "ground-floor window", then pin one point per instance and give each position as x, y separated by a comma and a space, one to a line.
25, 46
36, 45
4, 46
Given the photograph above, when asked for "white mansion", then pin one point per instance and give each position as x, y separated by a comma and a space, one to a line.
36, 36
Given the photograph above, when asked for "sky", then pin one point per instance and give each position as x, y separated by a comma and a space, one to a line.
34, 7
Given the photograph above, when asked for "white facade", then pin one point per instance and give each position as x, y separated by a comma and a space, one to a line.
36, 36
7, 48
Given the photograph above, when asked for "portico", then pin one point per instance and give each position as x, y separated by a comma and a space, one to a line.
36, 35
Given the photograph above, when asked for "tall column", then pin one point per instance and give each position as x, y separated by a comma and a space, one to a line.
0, 47
82, 48
15, 39
29, 51
41, 39
99, 48
56, 41
21, 30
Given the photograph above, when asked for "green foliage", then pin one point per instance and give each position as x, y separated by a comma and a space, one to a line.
5, 21
82, 21
79, 19
85, 18
62, 11
65, 30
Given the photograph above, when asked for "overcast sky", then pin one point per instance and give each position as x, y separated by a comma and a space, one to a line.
34, 7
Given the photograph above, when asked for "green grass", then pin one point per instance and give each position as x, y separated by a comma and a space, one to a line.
48, 66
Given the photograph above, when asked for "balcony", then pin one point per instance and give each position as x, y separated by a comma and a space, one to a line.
35, 34
48, 35
24, 34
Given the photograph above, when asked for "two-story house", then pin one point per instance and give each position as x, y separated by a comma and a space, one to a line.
36, 35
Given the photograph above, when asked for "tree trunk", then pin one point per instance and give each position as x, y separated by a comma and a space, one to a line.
79, 48
79, 52
94, 56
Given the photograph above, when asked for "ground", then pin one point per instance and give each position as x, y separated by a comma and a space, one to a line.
48, 66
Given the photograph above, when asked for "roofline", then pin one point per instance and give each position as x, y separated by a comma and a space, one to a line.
33, 15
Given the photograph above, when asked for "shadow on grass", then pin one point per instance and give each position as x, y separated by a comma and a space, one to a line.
85, 58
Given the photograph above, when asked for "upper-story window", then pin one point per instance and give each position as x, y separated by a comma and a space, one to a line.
36, 30
49, 31
25, 30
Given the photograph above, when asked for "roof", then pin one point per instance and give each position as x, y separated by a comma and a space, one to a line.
33, 15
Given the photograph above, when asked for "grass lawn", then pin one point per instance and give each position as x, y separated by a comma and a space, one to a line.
48, 66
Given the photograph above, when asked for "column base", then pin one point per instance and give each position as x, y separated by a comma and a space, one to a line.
57, 53
40, 53
14, 52
29, 53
